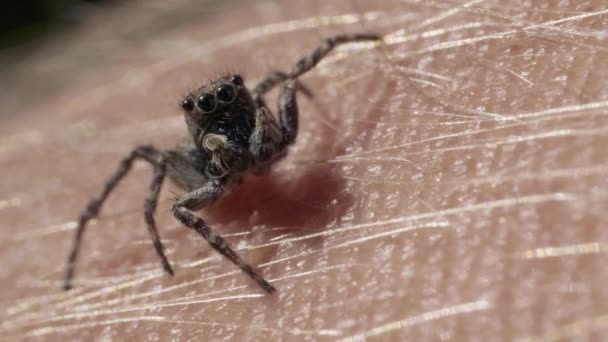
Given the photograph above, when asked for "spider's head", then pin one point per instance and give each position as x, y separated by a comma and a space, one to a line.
222, 107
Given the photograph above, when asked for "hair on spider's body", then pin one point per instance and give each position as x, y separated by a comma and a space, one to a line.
232, 132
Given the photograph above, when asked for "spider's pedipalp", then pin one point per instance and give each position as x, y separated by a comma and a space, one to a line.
266, 138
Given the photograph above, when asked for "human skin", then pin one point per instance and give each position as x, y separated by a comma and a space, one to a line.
449, 183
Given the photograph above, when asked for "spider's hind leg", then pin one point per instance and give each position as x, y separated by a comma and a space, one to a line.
157, 160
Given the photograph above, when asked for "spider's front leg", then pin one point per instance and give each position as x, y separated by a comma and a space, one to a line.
274, 78
288, 106
203, 197
328, 44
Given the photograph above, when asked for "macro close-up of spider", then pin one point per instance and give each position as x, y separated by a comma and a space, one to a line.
281, 170
232, 132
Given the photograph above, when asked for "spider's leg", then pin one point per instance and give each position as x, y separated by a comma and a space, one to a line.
202, 197
270, 137
326, 46
288, 112
288, 106
267, 138
149, 209
272, 80
147, 153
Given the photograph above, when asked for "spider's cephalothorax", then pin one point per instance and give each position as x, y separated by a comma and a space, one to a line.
232, 131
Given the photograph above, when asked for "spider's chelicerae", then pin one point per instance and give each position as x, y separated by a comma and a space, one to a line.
233, 132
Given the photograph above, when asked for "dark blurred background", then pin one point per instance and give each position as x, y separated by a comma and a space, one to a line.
47, 44
22, 22
27, 28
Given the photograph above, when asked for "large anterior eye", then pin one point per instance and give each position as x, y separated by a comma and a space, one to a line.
206, 102
225, 92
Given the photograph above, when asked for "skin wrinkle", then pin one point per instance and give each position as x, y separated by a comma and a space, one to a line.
54, 330
469, 133
578, 249
479, 305
423, 137
137, 308
293, 276
521, 139
511, 72
87, 312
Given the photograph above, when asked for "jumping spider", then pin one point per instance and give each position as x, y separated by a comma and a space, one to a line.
232, 132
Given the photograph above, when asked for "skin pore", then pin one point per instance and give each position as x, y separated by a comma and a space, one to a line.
447, 184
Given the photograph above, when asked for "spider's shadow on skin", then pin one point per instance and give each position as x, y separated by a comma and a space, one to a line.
310, 200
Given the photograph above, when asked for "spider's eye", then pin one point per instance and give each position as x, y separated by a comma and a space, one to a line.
225, 92
206, 102
236, 80
188, 104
